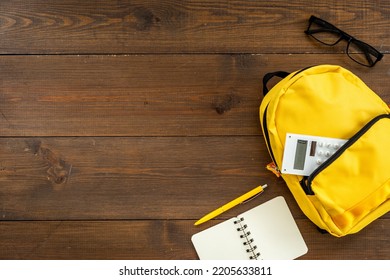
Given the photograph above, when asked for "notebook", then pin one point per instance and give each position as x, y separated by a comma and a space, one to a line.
266, 232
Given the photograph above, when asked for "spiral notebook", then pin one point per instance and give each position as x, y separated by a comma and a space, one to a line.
266, 232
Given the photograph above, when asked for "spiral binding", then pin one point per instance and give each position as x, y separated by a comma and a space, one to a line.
248, 241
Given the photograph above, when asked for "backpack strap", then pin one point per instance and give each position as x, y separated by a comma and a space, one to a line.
269, 76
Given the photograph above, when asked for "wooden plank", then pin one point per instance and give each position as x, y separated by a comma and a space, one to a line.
150, 95
128, 178
131, 178
161, 239
71, 26
371, 243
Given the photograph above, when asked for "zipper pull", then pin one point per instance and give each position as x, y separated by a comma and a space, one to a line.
274, 169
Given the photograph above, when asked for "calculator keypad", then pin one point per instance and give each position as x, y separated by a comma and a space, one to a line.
325, 150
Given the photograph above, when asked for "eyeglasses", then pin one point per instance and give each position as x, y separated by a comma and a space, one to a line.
330, 35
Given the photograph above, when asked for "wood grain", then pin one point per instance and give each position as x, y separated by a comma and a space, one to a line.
165, 95
162, 239
74, 27
122, 122
128, 178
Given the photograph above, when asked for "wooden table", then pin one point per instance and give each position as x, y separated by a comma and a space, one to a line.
123, 122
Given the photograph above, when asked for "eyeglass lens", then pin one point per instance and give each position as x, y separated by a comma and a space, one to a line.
324, 34
362, 53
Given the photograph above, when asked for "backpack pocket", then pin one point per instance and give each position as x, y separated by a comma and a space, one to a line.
355, 181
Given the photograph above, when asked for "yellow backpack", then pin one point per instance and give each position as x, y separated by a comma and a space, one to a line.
351, 188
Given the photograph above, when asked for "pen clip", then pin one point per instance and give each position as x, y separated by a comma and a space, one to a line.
256, 195
253, 197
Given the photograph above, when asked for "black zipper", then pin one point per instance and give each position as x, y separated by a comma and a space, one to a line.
265, 123
307, 181
266, 134
303, 69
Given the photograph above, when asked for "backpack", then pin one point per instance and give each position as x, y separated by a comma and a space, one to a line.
351, 188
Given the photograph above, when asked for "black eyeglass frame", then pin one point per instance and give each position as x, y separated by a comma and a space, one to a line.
328, 27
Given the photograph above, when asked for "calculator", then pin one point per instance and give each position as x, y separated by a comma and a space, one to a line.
304, 153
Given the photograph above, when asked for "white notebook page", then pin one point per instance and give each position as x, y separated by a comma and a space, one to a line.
271, 226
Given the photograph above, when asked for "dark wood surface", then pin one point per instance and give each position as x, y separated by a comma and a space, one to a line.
123, 122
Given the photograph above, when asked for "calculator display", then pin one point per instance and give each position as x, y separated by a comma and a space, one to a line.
300, 154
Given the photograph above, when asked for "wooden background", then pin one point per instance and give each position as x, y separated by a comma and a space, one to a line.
123, 122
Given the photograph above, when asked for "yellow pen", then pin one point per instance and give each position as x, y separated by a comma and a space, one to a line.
231, 204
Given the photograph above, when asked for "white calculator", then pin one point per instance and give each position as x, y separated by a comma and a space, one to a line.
304, 153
